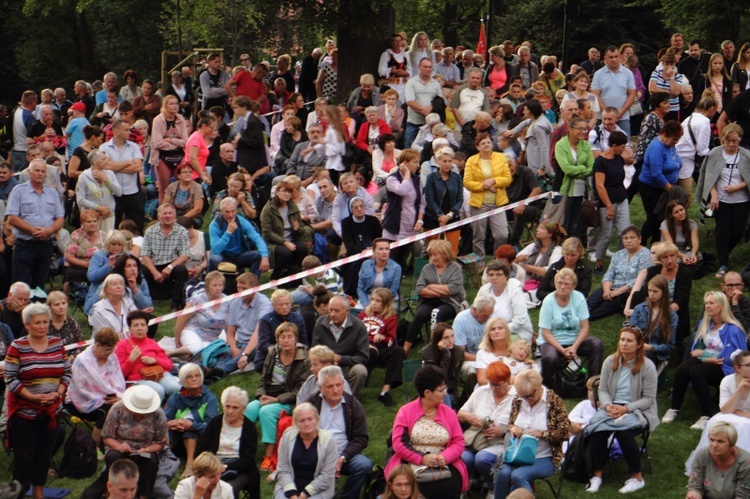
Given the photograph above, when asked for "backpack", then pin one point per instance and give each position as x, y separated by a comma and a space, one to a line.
374, 483
578, 465
79, 458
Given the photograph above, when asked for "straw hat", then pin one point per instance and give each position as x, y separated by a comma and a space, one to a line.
141, 399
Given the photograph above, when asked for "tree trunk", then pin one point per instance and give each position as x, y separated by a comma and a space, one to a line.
450, 27
359, 52
88, 62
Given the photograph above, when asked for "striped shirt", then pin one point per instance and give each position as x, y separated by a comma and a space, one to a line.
38, 372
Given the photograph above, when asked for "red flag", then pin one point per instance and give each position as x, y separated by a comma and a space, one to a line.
482, 43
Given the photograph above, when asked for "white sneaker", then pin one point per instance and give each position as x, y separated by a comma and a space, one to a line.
700, 424
594, 483
669, 416
610, 253
592, 257
631, 485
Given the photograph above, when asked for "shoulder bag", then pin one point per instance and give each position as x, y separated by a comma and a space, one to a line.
521, 450
426, 474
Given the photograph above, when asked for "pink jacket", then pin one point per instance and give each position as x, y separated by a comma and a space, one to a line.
405, 419
149, 348
159, 132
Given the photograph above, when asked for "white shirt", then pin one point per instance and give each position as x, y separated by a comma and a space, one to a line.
727, 389
535, 418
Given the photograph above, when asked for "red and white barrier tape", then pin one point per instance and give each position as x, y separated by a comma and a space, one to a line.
80, 344
348, 259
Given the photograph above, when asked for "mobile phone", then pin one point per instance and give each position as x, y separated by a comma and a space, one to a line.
110, 395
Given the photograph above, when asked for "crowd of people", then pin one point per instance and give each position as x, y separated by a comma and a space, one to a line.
111, 190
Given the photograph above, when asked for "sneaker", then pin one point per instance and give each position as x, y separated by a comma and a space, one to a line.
266, 464
631, 485
386, 399
592, 257
594, 483
599, 270
610, 253
721, 272
272, 477
669, 416
700, 424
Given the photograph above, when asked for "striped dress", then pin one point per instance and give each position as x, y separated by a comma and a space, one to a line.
38, 372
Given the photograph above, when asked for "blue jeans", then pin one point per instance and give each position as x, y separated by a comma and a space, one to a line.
228, 364
483, 461
625, 125
248, 259
301, 298
356, 469
166, 386
410, 134
521, 476
18, 159
31, 262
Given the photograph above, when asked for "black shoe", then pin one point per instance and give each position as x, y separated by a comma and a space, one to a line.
599, 270
386, 399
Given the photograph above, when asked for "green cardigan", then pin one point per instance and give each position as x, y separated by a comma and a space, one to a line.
273, 225
582, 167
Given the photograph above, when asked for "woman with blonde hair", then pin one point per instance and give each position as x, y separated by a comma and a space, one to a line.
718, 336
717, 81
316, 476
206, 481
444, 197
419, 49
283, 65
381, 320
494, 346
169, 135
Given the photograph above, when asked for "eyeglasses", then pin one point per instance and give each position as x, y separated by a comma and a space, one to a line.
580, 129
745, 365
288, 191
244, 59
734, 284
529, 396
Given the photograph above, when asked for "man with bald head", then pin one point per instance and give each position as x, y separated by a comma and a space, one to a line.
224, 166
34, 224
347, 336
45, 129
81, 90
108, 81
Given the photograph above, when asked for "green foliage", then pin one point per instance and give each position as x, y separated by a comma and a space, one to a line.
711, 22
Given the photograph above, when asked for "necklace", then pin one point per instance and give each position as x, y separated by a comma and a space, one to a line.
434, 410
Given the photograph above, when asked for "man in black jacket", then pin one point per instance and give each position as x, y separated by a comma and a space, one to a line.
347, 337
344, 417
309, 73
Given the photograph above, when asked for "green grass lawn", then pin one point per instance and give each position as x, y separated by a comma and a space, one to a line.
669, 446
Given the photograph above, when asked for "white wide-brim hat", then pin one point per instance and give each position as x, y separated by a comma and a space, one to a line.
141, 399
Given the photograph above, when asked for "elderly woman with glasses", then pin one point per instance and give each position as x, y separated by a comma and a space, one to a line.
537, 411
487, 412
189, 411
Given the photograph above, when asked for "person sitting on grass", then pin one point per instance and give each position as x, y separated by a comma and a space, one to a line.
381, 320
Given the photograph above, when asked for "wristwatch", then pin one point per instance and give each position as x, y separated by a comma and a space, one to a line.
243, 354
